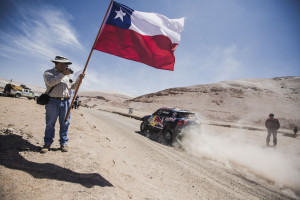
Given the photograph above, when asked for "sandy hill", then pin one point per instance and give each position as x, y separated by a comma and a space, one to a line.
247, 101
244, 101
93, 98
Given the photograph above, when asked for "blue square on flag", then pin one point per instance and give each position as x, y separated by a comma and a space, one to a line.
120, 16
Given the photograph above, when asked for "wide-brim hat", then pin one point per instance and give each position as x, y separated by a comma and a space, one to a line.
61, 59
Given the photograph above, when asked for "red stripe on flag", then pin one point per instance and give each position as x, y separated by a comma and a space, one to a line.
156, 51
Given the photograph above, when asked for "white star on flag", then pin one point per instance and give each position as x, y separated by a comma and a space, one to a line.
120, 14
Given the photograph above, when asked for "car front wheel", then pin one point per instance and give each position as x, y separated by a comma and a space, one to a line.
143, 126
17, 95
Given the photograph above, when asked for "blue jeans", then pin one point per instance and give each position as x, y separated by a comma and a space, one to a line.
54, 109
274, 133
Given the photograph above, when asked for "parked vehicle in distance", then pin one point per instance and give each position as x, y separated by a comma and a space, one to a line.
172, 123
19, 91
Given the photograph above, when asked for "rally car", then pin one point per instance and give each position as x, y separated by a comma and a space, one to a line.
170, 122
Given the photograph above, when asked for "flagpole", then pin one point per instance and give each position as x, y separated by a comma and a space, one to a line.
87, 62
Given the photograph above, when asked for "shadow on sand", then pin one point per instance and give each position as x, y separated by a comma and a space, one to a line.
290, 135
9, 157
156, 137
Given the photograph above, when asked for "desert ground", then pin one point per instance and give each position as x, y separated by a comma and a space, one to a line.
110, 158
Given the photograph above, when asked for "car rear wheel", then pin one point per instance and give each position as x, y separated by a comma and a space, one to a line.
178, 139
143, 126
17, 95
168, 136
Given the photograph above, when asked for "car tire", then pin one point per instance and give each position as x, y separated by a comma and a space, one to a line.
168, 136
143, 127
35, 98
17, 95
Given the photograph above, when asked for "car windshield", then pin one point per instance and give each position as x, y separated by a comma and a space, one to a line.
186, 115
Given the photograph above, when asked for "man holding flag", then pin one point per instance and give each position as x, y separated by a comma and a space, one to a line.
58, 86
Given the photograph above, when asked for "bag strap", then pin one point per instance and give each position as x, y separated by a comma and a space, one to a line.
52, 89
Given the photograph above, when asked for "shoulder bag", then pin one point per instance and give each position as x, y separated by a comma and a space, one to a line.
43, 99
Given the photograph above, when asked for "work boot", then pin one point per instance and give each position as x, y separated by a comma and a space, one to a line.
45, 149
64, 148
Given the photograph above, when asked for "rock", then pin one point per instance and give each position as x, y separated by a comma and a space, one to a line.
9, 131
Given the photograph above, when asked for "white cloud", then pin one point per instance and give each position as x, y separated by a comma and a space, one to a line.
60, 29
44, 31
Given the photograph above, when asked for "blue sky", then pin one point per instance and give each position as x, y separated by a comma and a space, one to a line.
222, 40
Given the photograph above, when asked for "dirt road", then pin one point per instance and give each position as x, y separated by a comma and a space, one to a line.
145, 169
109, 159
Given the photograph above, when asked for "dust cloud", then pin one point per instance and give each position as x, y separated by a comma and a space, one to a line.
245, 150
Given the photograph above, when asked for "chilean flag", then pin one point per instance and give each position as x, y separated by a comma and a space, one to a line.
149, 38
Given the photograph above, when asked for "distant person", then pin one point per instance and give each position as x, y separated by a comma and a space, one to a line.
76, 102
295, 130
58, 105
130, 111
272, 124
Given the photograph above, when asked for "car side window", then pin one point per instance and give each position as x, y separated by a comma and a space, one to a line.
166, 113
158, 112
